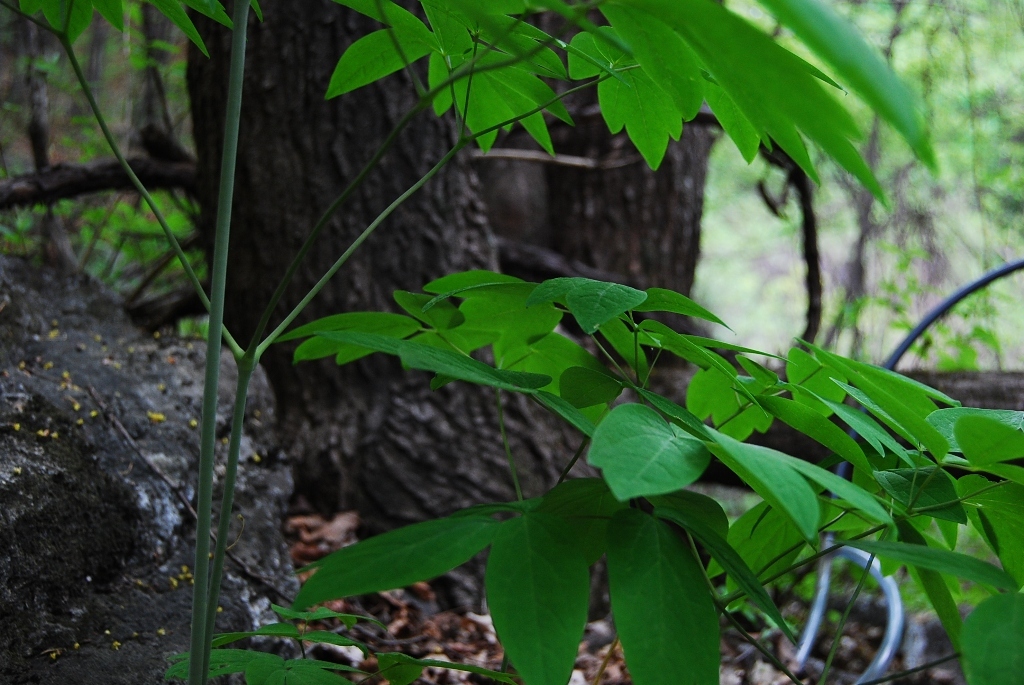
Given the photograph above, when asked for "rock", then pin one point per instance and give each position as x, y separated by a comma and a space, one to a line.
98, 456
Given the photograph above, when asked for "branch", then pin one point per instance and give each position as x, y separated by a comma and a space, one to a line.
71, 180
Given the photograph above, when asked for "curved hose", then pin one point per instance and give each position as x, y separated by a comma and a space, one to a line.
895, 619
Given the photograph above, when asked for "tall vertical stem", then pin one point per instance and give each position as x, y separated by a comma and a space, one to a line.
200, 643
246, 365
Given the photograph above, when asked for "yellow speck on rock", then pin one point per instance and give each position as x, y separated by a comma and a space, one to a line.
192, 423
54, 333
161, 387
76, 646
47, 366
161, 632
93, 414
17, 470
80, 422
17, 426
174, 582
115, 645
66, 375
220, 610
156, 417
156, 335
43, 433
256, 458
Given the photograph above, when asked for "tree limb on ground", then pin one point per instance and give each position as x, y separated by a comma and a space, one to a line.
63, 181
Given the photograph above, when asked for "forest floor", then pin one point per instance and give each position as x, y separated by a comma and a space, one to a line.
418, 628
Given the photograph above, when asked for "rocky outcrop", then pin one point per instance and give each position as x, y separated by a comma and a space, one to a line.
98, 453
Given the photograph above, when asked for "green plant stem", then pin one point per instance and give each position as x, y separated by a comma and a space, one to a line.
958, 500
572, 462
140, 188
200, 640
508, 448
246, 366
785, 553
842, 622
912, 671
27, 17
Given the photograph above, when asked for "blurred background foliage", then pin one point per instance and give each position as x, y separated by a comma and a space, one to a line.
882, 267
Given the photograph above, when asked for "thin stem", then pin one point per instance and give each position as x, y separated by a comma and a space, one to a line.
604, 662
920, 491
842, 622
245, 369
611, 359
912, 671
508, 448
28, 17
322, 222
572, 462
367, 232
140, 188
943, 505
200, 642
793, 548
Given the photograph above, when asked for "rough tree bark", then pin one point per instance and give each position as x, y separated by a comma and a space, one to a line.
366, 436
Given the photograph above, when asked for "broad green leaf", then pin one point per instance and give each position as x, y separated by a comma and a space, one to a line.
396, 559
636, 103
944, 420
112, 11
392, 665
538, 590
776, 481
895, 413
551, 355
998, 514
453, 284
987, 441
867, 428
321, 613
760, 537
503, 310
663, 55
424, 357
662, 606
173, 11
640, 454
583, 387
312, 672
662, 300
807, 372
573, 416
381, 323
933, 584
683, 417
591, 302
733, 564
628, 344
993, 641
585, 60
586, 505
713, 393
859, 65
275, 629
442, 316
222, 662
697, 506
925, 487
940, 560
739, 129
371, 58
762, 375
816, 426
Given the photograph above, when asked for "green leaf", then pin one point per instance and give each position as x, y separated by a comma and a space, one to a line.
640, 454
538, 590
396, 559
583, 387
395, 665
427, 358
683, 417
662, 300
636, 103
380, 323
925, 488
274, 629
586, 505
112, 11
663, 55
173, 11
944, 420
551, 355
760, 536
934, 586
697, 506
776, 481
816, 426
867, 428
839, 44
453, 284
998, 514
986, 441
312, 672
573, 416
733, 564
894, 413
663, 610
371, 58
628, 344
734, 123
322, 613
993, 641
222, 662
591, 302
940, 560
807, 372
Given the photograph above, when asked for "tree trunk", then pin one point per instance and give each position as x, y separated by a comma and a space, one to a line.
366, 436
